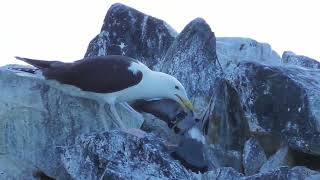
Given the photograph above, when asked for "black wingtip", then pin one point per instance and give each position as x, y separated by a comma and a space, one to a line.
20, 58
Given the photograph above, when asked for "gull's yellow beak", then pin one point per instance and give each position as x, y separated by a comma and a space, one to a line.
185, 103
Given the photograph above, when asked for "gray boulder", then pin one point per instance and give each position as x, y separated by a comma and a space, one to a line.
220, 174
11, 168
192, 60
281, 173
253, 157
313, 177
218, 157
285, 173
281, 158
130, 154
37, 117
128, 32
300, 172
280, 101
291, 58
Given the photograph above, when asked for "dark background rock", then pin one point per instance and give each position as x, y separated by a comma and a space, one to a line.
128, 32
300, 158
227, 125
281, 101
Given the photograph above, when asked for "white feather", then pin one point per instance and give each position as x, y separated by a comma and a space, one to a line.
196, 134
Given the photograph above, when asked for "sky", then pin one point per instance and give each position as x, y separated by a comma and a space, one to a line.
62, 29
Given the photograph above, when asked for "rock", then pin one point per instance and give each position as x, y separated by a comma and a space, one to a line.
15, 169
300, 172
313, 177
291, 58
304, 159
227, 124
281, 158
220, 174
17, 68
192, 60
121, 155
253, 157
37, 117
280, 173
218, 157
128, 32
284, 173
232, 50
280, 101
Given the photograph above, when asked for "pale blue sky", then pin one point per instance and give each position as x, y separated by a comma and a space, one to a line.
62, 29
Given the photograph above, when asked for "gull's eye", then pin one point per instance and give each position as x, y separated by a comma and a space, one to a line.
176, 87
181, 116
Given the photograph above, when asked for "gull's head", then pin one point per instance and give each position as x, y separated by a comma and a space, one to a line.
171, 88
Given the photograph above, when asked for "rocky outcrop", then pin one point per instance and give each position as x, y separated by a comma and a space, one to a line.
130, 154
291, 58
128, 32
38, 117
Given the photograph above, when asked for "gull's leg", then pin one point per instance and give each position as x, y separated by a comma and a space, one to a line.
102, 112
130, 109
116, 116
